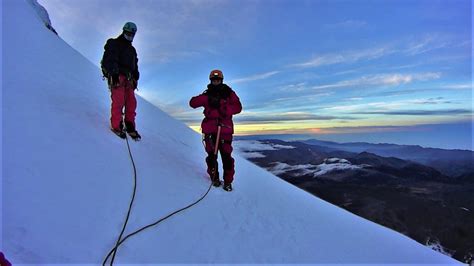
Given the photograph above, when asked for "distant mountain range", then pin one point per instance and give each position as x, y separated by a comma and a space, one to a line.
454, 163
424, 193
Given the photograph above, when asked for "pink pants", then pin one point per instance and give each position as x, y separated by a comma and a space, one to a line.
225, 149
123, 95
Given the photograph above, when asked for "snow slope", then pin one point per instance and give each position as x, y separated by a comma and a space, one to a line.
67, 180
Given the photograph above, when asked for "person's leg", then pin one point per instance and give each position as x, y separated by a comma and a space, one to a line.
227, 161
211, 159
118, 102
130, 109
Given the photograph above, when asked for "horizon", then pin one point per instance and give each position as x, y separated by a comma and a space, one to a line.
459, 133
299, 67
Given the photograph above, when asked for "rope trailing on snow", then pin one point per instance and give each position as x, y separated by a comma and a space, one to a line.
156, 223
117, 244
120, 240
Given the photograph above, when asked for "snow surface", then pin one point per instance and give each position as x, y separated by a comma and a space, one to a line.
67, 180
41, 12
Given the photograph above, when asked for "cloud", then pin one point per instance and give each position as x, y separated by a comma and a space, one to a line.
302, 86
348, 57
255, 77
382, 79
458, 86
418, 112
256, 145
437, 100
309, 131
362, 129
329, 165
398, 92
383, 107
307, 102
298, 99
425, 45
287, 117
347, 25
345, 72
422, 45
367, 133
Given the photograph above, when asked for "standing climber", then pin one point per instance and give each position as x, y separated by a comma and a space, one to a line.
120, 67
220, 103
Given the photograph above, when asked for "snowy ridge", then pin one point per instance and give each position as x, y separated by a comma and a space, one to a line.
42, 14
67, 180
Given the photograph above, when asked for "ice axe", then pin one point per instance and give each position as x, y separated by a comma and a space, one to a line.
216, 148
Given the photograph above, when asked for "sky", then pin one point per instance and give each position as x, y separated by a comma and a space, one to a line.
299, 67
71, 213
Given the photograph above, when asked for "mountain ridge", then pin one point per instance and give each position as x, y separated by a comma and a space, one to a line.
387, 190
453, 162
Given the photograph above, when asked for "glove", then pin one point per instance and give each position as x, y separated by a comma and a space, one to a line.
214, 102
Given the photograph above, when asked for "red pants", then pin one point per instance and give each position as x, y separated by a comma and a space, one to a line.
225, 149
123, 95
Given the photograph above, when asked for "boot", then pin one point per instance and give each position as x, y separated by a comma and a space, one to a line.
131, 131
119, 133
216, 182
227, 187
134, 135
214, 175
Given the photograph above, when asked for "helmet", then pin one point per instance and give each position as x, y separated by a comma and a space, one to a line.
216, 74
130, 27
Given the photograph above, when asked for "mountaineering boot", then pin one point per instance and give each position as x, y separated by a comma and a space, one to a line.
212, 170
134, 135
216, 182
119, 133
227, 187
214, 175
131, 131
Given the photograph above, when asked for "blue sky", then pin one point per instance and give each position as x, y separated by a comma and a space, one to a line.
299, 67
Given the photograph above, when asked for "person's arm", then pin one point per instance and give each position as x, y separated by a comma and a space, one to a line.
136, 73
110, 59
198, 101
233, 105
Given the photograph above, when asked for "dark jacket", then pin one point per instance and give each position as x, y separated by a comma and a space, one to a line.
220, 104
120, 57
